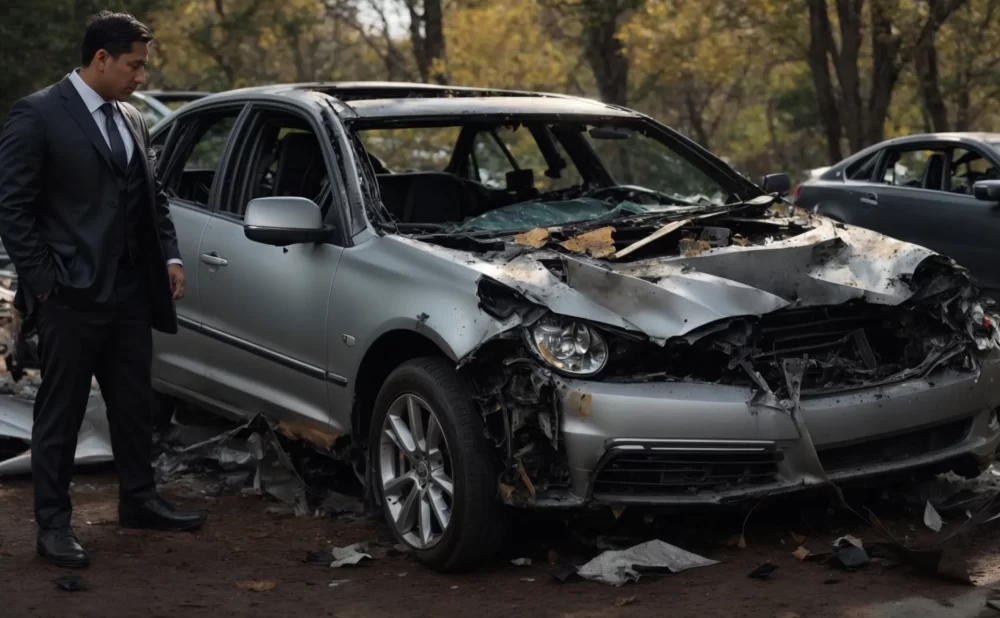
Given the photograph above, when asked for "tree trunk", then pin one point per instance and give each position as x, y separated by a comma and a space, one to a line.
695, 112
930, 87
885, 69
605, 53
427, 36
820, 39
846, 64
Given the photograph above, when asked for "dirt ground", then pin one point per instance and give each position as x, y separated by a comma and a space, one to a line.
137, 573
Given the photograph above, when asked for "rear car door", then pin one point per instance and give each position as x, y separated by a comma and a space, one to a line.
845, 195
265, 307
191, 150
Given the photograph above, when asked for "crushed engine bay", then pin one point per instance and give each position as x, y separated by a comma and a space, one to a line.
713, 299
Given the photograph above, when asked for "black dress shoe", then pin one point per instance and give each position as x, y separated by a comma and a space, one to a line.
61, 548
157, 514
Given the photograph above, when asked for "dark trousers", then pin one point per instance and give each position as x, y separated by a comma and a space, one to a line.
79, 340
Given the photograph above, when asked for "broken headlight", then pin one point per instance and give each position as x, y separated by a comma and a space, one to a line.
568, 346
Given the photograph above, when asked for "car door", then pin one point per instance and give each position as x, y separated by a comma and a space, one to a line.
191, 155
844, 193
916, 202
264, 308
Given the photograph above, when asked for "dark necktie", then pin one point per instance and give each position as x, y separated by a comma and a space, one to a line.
118, 153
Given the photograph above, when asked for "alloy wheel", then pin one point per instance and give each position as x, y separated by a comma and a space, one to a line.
416, 473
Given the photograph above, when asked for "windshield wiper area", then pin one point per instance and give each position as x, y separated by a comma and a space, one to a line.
631, 192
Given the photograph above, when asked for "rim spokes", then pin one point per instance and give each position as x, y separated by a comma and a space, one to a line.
414, 463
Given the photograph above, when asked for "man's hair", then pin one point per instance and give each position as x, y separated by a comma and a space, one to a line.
113, 32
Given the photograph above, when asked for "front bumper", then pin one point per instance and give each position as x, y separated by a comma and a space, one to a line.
691, 443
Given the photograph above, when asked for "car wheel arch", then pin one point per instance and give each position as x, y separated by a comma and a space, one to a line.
390, 350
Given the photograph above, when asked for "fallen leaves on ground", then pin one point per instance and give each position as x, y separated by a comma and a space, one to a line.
257, 585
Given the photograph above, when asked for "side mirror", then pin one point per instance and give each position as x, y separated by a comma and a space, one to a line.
283, 221
777, 183
987, 190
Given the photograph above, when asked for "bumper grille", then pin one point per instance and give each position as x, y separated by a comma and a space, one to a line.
895, 448
652, 471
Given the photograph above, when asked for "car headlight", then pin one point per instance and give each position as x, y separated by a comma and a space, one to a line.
571, 347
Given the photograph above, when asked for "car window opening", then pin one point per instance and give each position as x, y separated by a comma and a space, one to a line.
512, 176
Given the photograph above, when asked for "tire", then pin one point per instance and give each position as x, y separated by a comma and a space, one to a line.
476, 518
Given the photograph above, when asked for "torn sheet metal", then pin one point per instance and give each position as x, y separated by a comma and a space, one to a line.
619, 567
260, 453
807, 262
93, 444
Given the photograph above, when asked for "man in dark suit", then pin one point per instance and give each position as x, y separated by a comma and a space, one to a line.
89, 231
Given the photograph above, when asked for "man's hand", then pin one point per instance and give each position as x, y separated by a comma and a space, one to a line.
176, 272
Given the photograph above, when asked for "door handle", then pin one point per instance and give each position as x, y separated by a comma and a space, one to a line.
869, 198
213, 259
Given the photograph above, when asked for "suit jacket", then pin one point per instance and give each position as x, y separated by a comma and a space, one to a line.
57, 181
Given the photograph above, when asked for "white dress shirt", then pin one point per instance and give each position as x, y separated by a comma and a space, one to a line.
94, 102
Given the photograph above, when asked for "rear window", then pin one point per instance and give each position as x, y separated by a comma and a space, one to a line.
862, 168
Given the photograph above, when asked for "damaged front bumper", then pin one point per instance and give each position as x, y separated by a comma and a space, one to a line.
696, 443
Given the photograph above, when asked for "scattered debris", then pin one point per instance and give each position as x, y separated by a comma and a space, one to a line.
260, 454
598, 243
16, 413
623, 601
350, 555
71, 583
692, 247
521, 561
932, 519
851, 557
798, 538
848, 540
660, 233
338, 582
618, 567
802, 553
535, 238
763, 571
257, 585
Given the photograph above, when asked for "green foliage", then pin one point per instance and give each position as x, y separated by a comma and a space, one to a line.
733, 75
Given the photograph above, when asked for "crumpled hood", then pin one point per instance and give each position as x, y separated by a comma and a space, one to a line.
829, 263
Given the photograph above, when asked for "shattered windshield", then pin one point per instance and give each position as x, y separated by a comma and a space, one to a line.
512, 176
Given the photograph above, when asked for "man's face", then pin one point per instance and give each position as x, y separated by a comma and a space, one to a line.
122, 75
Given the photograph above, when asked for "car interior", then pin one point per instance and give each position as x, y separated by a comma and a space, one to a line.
283, 159
457, 192
954, 170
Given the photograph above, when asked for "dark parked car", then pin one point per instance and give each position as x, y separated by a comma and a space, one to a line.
940, 190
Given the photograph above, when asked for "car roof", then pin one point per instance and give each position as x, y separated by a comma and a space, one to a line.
968, 136
491, 106
950, 136
409, 99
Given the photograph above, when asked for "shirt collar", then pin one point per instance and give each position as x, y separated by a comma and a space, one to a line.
91, 99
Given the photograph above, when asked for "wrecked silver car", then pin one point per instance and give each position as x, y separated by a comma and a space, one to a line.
490, 298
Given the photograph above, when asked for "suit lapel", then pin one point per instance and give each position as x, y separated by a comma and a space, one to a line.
139, 150
75, 106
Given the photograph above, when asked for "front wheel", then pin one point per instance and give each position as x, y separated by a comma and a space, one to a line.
432, 467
